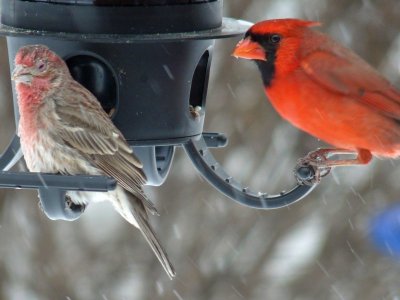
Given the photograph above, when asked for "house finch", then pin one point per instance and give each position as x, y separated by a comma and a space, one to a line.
326, 90
63, 129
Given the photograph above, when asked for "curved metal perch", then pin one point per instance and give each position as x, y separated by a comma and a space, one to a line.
207, 165
11, 155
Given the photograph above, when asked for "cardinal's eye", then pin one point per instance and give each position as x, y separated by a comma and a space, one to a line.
275, 38
41, 66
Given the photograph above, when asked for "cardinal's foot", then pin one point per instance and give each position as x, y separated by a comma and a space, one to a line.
321, 161
323, 158
309, 174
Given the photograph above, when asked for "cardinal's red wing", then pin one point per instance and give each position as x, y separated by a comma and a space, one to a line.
352, 77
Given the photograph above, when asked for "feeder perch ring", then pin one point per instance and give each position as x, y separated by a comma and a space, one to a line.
214, 173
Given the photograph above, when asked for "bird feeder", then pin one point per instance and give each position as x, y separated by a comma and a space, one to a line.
147, 62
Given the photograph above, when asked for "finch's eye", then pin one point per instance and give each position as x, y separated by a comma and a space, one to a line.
275, 38
41, 66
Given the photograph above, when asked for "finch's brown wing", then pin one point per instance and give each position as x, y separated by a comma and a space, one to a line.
85, 126
343, 72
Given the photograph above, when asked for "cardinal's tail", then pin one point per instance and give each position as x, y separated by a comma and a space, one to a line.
133, 210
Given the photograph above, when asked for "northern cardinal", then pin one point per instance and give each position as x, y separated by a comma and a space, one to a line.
63, 129
326, 90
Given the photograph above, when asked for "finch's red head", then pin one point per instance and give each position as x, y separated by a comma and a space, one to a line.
272, 40
37, 62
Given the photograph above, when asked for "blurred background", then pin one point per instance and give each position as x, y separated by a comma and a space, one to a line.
319, 248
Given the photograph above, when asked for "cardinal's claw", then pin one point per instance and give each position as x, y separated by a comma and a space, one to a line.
316, 158
316, 163
308, 173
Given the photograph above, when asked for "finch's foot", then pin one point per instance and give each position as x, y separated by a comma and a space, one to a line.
322, 162
69, 204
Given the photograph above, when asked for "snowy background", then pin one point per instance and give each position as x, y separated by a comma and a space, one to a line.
316, 249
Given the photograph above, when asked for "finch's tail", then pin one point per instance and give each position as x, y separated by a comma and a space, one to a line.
133, 210
151, 238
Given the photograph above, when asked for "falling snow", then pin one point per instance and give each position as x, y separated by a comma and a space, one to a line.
316, 249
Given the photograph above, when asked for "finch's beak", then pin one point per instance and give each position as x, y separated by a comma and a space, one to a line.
248, 49
21, 74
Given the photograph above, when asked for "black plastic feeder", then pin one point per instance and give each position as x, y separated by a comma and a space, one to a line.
147, 61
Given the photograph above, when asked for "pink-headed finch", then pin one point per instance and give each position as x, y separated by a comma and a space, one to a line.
63, 129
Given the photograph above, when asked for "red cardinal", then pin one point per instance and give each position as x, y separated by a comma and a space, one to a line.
325, 89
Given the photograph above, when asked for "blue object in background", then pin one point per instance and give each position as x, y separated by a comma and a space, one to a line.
385, 231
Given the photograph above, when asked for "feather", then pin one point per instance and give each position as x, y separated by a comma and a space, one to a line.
86, 127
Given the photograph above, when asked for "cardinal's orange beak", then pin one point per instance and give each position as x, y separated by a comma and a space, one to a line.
248, 49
